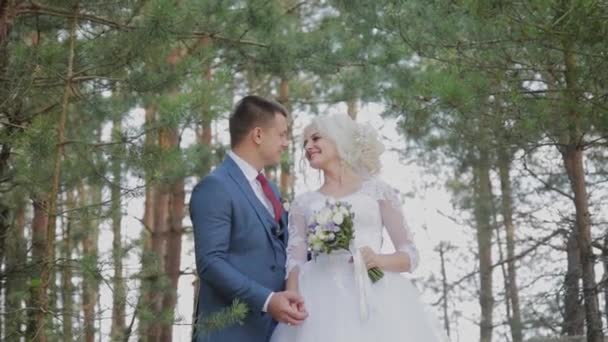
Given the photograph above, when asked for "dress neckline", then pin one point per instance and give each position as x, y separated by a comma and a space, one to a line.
338, 198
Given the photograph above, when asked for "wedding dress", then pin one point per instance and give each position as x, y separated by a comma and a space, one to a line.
342, 302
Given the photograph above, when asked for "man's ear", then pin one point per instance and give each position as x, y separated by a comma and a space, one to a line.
256, 135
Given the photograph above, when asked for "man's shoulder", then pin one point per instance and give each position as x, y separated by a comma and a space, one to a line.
212, 183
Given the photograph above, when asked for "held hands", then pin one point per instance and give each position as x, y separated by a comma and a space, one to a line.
287, 307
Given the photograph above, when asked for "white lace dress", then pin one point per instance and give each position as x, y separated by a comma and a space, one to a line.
343, 304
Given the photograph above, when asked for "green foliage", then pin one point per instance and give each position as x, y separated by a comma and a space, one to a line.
234, 314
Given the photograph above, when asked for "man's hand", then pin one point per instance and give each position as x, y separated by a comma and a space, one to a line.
287, 307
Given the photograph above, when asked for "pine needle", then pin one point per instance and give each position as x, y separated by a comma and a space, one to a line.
235, 314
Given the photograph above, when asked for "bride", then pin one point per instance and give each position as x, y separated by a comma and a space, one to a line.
342, 302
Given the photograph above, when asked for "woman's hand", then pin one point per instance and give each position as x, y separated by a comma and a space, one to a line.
370, 258
299, 307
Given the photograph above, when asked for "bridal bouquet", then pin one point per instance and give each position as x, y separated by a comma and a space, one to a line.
332, 229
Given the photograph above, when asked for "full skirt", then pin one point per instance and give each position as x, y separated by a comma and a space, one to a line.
395, 311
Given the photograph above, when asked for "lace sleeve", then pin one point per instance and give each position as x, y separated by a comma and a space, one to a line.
395, 224
296, 246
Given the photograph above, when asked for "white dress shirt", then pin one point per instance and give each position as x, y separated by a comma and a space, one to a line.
251, 173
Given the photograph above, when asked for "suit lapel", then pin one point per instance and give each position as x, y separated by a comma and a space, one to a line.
237, 175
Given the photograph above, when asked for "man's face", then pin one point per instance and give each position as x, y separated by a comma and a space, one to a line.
274, 140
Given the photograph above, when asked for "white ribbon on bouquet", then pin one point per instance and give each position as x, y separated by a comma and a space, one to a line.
362, 281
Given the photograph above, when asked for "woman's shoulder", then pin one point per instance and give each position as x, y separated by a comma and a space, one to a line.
304, 197
379, 189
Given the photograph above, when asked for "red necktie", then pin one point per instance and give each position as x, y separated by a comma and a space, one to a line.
276, 205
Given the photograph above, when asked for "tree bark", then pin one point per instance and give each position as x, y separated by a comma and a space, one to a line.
4, 230
149, 224
483, 214
444, 288
605, 257
7, 8
352, 108
15, 283
39, 228
574, 318
174, 246
90, 282
47, 267
286, 179
67, 291
572, 155
119, 294
205, 137
156, 270
573, 161
504, 165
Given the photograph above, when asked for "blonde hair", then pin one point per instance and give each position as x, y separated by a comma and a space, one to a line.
358, 145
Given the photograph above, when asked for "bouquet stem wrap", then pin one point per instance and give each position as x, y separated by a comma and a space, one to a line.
362, 281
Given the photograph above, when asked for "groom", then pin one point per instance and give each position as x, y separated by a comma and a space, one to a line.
240, 229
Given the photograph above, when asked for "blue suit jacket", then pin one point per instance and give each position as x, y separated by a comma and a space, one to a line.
238, 253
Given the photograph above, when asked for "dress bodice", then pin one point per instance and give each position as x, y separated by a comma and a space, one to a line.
376, 206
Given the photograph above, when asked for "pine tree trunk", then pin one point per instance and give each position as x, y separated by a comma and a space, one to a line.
205, 137
174, 246
605, 257
15, 281
67, 288
352, 108
119, 294
507, 213
90, 282
483, 212
159, 248
47, 267
286, 180
149, 224
7, 8
573, 160
572, 155
4, 230
444, 288
39, 227
574, 318
503, 267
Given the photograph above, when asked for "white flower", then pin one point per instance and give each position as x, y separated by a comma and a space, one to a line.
320, 234
316, 245
338, 218
323, 216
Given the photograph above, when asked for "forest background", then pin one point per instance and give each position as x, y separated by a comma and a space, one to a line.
494, 113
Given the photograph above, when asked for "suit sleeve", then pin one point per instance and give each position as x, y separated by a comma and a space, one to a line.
211, 212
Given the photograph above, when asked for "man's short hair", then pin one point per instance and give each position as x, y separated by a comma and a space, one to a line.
250, 112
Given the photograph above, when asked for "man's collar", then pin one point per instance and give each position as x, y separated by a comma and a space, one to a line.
249, 171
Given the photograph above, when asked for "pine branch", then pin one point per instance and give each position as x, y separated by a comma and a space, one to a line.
547, 185
502, 262
235, 314
36, 8
217, 37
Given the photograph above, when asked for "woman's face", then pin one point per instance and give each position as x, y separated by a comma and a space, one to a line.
318, 149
